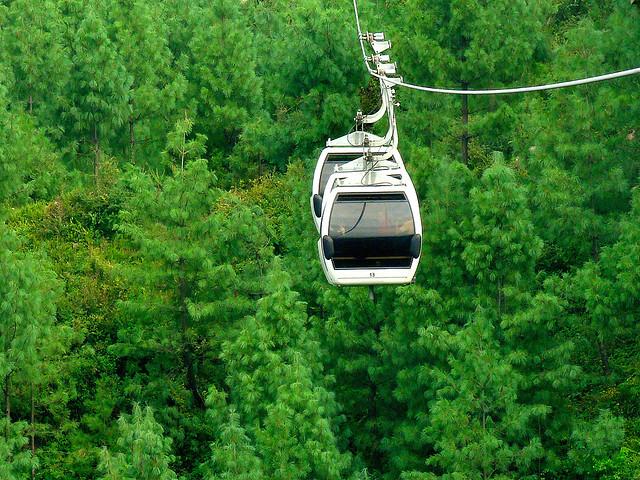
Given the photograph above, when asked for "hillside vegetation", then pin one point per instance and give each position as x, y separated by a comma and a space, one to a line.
163, 314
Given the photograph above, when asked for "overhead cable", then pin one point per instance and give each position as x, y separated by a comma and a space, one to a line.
497, 91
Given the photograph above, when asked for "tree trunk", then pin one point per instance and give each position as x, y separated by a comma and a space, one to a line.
499, 298
485, 474
96, 159
183, 151
604, 358
33, 434
465, 123
595, 249
187, 348
7, 402
376, 459
30, 104
132, 140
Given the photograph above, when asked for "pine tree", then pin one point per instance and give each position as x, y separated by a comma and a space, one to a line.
349, 326
15, 460
490, 428
444, 188
503, 247
28, 291
417, 337
200, 256
9, 173
321, 101
181, 149
276, 382
604, 292
206, 250
415, 343
142, 452
578, 146
222, 74
33, 39
233, 457
475, 398
580, 161
99, 86
471, 45
157, 86
29, 165
515, 353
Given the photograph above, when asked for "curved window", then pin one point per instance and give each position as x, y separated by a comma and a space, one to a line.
331, 162
372, 231
334, 160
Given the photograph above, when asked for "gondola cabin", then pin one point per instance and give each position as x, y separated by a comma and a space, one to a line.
370, 234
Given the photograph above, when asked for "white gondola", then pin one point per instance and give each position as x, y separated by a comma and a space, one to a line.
363, 202
343, 160
370, 232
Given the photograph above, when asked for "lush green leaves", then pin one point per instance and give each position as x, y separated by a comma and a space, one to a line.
143, 451
515, 354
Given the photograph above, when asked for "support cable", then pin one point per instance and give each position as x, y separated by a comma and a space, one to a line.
500, 91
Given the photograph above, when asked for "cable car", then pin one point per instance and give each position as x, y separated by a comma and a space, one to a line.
370, 231
343, 160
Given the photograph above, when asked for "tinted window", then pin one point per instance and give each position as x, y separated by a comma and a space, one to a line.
332, 161
370, 218
371, 231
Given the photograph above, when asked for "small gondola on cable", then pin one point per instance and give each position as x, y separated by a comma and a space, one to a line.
363, 202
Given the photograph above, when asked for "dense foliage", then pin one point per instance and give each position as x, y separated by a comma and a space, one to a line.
162, 311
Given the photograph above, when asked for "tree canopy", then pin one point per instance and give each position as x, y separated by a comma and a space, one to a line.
163, 314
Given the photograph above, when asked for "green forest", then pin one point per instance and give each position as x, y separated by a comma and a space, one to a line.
164, 315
